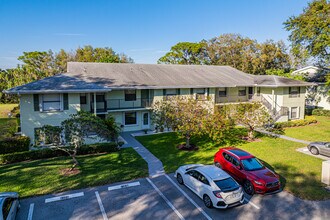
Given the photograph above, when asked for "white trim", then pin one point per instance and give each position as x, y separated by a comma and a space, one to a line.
104, 214
30, 211
136, 117
64, 197
122, 186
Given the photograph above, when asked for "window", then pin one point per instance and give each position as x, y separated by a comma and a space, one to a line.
200, 94
294, 113
227, 185
130, 118
222, 92
130, 95
6, 207
294, 92
170, 92
252, 164
241, 91
44, 138
203, 179
83, 99
228, 157
51, 102
100, 97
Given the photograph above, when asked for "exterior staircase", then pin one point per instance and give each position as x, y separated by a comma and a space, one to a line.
275, 114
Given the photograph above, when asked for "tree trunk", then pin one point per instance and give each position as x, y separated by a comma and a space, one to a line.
187, 141
75, 161
250, 134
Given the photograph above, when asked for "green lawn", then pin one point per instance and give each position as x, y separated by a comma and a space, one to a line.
313, 132
43, 176
300, 173
8, 126
5, 109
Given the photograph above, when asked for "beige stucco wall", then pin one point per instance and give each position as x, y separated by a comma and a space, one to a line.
31, 119
232, 96
295, 102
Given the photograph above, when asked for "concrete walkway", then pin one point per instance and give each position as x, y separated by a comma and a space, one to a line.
283, 136
155, 166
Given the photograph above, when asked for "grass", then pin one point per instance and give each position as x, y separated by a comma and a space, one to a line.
313, 132
43, 176
5, 109
300, 173
8, 126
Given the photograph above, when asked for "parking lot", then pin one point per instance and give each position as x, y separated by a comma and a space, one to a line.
162, 198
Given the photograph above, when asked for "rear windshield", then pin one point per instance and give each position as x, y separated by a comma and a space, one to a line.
227, 185
252, 164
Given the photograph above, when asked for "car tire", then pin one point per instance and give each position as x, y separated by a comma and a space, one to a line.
217, 164
207, 201
248, 187
179, 179
314, 151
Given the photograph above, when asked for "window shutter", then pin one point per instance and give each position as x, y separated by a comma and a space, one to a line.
164, 92
178, 91
191, 91
298, 91
36, 102
65, 101
208, 92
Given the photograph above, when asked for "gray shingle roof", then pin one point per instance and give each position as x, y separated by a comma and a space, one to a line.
85, 77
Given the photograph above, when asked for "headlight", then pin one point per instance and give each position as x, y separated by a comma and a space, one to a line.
258, 183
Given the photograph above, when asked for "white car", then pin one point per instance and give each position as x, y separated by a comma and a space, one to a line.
9, 205
216, 187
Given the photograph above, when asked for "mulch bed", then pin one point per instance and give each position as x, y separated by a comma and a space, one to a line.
69, 172
183, 147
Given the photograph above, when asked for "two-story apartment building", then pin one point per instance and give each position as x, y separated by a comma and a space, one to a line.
127, 92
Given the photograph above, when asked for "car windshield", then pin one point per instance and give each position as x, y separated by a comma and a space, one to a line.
252, 164
227, 185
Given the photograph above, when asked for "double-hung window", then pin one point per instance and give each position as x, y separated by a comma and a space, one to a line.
51, 102
294, 113
222, 92
130, 95
294, 92
241, 91
130, 118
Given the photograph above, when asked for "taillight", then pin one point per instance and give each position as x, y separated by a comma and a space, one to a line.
217, 194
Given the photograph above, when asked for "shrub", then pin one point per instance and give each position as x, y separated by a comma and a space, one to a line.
302, 122
14, 144
321, 112
49, 153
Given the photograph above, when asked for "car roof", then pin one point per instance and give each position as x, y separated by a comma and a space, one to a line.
213, 172
238, 152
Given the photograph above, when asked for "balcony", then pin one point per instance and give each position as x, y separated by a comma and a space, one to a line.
116, 104
236, 99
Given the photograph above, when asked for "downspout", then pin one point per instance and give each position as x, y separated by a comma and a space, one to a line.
273, 100
95, 103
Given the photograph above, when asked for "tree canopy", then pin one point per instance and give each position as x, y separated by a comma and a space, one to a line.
234, 50
39, 64
310, 31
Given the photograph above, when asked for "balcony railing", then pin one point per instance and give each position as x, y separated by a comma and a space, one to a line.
236, 98
113, 104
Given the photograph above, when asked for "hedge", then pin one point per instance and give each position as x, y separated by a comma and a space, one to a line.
308, 120
321, 112
49, 153
14, 144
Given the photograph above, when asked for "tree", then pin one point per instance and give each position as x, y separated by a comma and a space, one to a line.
250, 115
186, 53
76, 128
159, 116
310, 31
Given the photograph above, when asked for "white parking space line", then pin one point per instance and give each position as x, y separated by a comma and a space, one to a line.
105, 217
251, 203
190, 199
30, 211
65, 197
166, 200
123, 186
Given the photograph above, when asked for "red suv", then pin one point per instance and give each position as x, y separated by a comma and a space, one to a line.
247, 170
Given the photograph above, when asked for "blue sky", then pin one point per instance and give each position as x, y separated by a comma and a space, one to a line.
142, 29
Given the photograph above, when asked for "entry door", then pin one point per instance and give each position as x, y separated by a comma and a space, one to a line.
145, 120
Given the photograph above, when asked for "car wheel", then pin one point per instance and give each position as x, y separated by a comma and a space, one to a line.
248, 187
179, 179
207, 201
314, 151
218, 165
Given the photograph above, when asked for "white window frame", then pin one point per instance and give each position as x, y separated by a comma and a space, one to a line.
136, 119
297, 113
41, 101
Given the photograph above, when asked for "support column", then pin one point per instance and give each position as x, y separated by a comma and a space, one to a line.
273, 99
95, 103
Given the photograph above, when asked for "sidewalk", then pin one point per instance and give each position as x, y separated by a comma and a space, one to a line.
283, 137
155, 166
